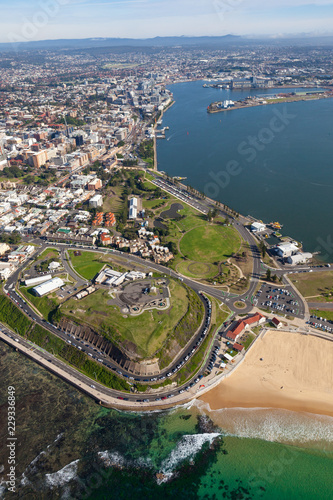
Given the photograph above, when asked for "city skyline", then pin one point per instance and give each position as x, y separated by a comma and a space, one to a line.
55, 19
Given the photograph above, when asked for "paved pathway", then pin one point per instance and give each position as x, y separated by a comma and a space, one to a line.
327, 306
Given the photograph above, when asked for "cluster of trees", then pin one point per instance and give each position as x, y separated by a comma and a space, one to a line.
43, 179
263, 249
72, 121
146, 150
13, 238
130, 163
100, 171
211, 214
44, 265
273, 278
194, 191
12, 172
14, 318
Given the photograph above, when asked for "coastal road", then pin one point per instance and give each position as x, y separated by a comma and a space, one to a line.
227, 298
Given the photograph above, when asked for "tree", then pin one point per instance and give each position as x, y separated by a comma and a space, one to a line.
268, 275
263, 249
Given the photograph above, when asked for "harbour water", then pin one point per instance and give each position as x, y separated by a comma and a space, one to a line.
69, 447
272, 162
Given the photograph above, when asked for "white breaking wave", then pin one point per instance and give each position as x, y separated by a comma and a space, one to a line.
62, 476
114, 458
187, 448
275, 425
32, 467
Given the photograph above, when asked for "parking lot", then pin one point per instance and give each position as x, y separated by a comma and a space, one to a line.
278, 299
321, 323
66, 291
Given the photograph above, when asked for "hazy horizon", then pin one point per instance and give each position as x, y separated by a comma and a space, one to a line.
140, 19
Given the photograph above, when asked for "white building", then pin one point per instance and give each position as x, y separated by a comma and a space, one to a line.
286, 249
96, 201
4, 248
54, 265
135, 275
48, 287
228, 103
6, 269
36, 281
299, 258
3, 159
80, 181
133, 208
258, 227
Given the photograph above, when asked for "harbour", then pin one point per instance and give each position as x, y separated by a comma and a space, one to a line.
274, 178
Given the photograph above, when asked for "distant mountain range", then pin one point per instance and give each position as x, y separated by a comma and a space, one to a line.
160, 42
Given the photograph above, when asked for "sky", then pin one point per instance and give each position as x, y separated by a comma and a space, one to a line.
27, 20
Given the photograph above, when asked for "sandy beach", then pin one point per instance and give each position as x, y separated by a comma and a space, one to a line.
282, 370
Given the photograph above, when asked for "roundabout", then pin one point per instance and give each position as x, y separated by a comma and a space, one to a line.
239, 305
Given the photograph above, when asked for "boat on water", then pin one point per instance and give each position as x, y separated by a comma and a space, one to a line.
276, 225
177, 178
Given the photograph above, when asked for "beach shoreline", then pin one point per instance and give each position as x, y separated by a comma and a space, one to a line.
282, 371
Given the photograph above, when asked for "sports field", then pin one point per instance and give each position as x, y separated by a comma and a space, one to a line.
87, 264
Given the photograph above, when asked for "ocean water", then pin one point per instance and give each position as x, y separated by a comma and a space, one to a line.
70, 448
272, 162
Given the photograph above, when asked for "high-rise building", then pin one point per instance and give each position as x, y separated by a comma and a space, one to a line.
3, 159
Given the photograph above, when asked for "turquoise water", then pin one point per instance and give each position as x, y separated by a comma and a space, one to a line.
69, 447
287, 175
200, 461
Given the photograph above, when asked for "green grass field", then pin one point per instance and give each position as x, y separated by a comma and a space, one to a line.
147, 331
113, 201
153, 204
210, 243
88, 264
49, 253
249, 339
322, 313
45, 305
317, 285
197, 269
